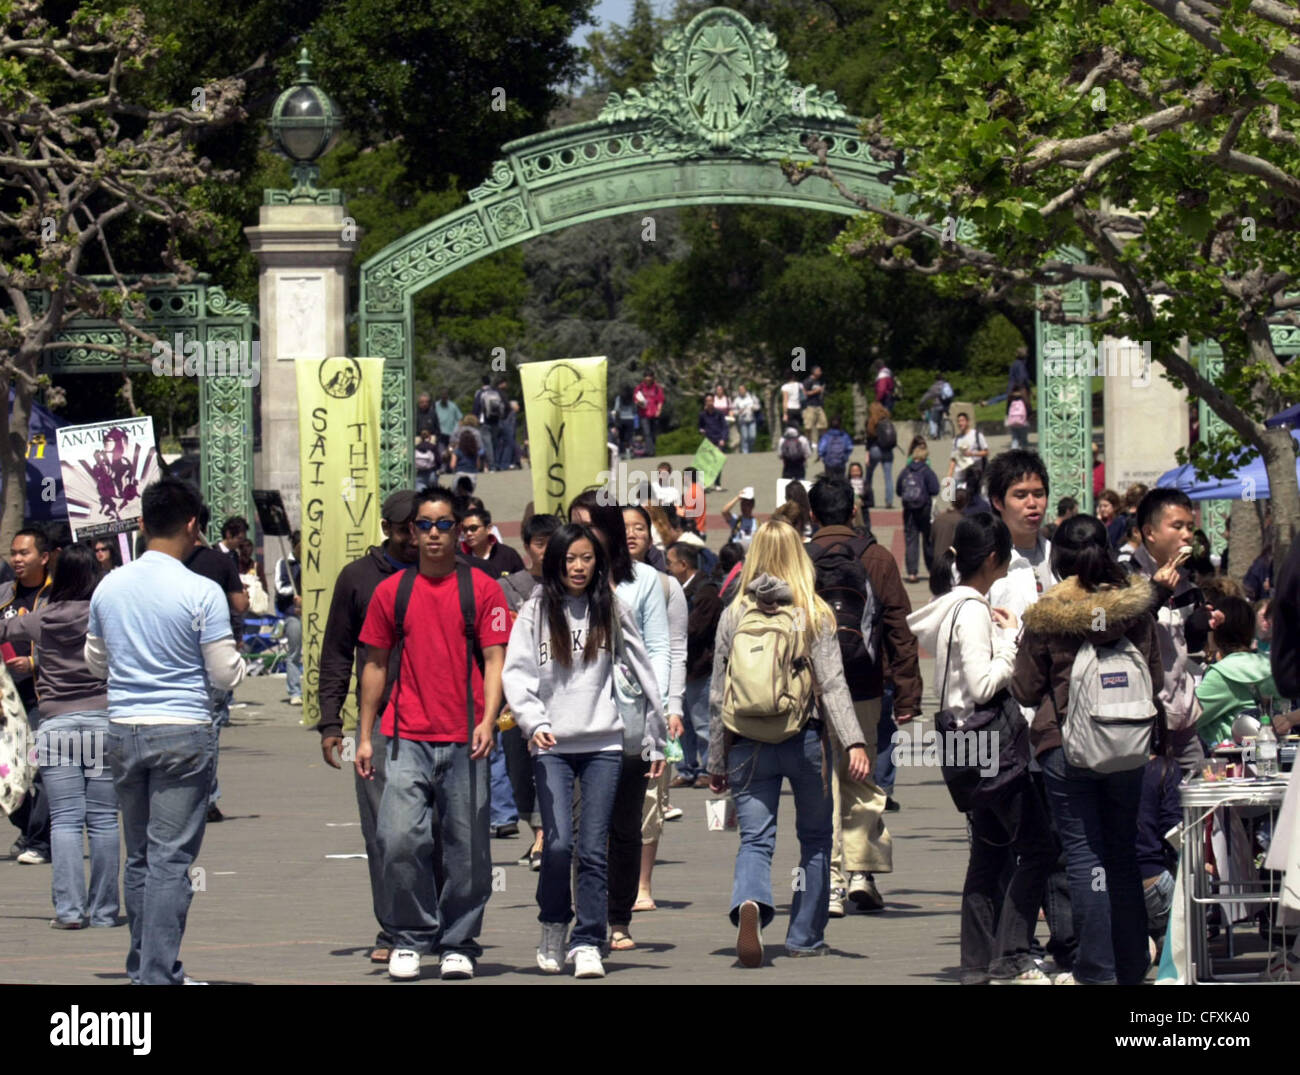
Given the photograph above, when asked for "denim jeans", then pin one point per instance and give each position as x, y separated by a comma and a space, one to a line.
519, 767
1096, 815
369, 795
695, 731
624, 869
878, 457
293, 659
79, 783
420, 910
1010, 832
755, 771
162, 774
502, 807
884, 772
1159, 899
1019, 436
598, 773
748, 433
916, 537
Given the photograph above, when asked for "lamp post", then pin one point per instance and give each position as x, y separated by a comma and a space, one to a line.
305, 125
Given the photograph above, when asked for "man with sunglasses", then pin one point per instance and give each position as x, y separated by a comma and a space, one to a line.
438, 736
480, 549
341, 649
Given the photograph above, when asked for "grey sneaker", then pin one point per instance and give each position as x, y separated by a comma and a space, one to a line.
836, 909
863, 892
550, 951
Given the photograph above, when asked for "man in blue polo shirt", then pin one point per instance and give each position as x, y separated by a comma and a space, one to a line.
161, 636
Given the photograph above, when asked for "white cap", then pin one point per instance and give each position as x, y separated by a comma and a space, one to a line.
747, 493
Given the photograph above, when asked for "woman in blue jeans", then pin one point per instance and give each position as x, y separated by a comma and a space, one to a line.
70, 744
778, 583
559, 682
1096, 813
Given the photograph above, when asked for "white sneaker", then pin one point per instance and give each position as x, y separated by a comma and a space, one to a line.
1033, 976
295, 700
32, 858
550, 952
673, 813
1066, 978
455, 965
192, 981
586, 962
404, 963
836, 909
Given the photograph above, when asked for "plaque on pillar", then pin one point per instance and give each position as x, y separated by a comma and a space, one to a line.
1145, 416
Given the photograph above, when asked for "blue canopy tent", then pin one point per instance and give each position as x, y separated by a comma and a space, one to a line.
1252, 479
1289, 418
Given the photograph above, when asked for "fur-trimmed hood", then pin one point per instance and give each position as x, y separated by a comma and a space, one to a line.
1068, 609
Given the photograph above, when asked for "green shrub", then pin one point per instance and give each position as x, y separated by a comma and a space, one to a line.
678, 442
762, 442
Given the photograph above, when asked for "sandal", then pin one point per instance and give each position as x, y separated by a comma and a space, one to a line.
379, 955
644, 903
621, 941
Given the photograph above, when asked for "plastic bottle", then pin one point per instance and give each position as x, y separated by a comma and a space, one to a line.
1266, 749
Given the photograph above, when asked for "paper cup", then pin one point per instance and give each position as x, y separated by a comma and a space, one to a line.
721, 814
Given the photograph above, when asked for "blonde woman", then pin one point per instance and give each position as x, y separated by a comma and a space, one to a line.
778, 582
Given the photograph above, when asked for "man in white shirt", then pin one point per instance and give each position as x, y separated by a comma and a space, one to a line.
161, 635
1017, 488
968, 447
792, 403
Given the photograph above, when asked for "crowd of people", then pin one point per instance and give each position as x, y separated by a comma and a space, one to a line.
619, 662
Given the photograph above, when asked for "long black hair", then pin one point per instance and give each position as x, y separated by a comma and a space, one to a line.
1081, 548
975, 537
607, 519
600, 598
76, 574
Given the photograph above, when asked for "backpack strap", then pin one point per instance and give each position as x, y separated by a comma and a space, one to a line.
473, 654
403, 599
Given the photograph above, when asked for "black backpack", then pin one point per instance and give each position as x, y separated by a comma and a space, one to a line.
843, 584
913, 487
886, 435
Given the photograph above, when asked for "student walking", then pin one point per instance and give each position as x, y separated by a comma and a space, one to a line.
916, 487
447, 625
161, 636
767, 728
1091, 641
1008, 822
572, 640
70, 744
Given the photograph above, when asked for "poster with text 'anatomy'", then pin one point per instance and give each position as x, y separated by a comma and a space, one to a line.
106, 467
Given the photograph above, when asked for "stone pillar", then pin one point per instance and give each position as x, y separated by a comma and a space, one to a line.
304, 251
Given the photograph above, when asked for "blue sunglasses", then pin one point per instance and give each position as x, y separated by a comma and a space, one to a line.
443, 525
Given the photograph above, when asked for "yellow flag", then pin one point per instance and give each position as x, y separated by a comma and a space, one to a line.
568, 429
338, 444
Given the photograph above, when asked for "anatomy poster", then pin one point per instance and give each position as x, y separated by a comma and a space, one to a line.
106, 467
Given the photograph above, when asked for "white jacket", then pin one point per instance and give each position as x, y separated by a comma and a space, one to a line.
981, 660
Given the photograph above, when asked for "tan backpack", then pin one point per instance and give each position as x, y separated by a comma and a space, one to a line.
767, 694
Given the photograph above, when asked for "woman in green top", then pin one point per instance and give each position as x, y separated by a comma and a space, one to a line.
1239, 677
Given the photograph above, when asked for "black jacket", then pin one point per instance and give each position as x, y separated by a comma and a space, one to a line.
341, 651
701, 625
1285, 609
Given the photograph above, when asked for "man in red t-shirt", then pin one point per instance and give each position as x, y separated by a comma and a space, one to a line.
432, 760
649, 406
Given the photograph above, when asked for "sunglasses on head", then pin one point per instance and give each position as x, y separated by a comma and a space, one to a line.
442, 525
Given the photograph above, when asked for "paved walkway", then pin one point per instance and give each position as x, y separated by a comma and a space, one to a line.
277, 909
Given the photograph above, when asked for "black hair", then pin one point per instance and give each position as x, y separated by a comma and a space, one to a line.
76, 575
1066, 505
205, 517
1007, 468
831, 500
731, 554
961, 497
236, 525
484, 515
438, 495
38, 535
1081, 548
917, 442
796, 494
540, 526
1151, 509
295, 537
600, 598
487, 379
167, 506
114, 553
687, 552
607, 519
1237, 631
641, 510
465, 482
59, 534
975, 538
626, 393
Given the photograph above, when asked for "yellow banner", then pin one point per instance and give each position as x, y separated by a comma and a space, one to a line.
568, 429
338, 445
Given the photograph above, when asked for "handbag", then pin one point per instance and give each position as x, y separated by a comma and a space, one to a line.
17, 770
628, 694
998, 718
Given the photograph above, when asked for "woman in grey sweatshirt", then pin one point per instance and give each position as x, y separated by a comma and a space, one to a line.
70, 744
559, 680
